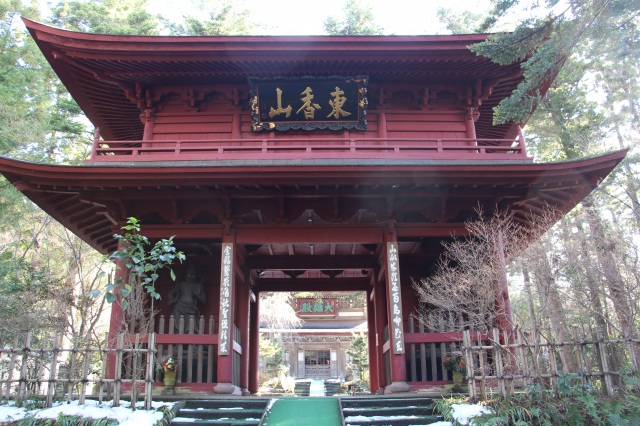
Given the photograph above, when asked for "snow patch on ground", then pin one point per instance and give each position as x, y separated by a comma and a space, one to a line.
463, 413
91, 409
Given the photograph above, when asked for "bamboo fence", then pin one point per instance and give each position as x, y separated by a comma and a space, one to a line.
510, 361
51, 369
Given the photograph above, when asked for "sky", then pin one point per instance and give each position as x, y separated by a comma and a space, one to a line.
401, 17
287, 17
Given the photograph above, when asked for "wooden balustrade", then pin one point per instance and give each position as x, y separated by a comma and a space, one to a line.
427, 348
312, 148
192, 344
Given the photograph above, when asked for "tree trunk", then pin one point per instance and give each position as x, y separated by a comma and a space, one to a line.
617, 289
546, 284
605, 253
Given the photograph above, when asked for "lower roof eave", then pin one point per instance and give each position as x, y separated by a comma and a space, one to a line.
88, 199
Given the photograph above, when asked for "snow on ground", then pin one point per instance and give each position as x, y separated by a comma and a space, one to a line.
126, 416
464, 412
91, 409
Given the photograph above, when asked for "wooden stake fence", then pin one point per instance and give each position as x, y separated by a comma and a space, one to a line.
28, 369
511, 361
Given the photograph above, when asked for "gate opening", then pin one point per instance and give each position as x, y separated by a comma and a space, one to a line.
307, 337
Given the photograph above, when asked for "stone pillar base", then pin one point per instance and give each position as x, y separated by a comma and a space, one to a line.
397, 387
227, 389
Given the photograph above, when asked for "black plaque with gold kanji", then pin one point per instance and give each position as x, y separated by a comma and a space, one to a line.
309, 103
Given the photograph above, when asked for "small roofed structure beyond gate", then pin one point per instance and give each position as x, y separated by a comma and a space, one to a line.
293, 164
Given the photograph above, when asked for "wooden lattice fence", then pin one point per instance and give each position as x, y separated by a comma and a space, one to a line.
507, 362
56, 367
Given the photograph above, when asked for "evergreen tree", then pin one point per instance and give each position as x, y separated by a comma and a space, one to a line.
359, 354
544, 44
224, 17
106, 17
358, 20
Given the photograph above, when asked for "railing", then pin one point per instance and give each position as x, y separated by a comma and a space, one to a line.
309, 148
191, 343
426, 348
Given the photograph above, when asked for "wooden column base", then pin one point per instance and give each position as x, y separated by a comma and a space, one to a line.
397, 387
227, 389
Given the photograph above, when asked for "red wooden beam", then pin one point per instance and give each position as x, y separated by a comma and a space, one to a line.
431, 229
314, 284
451, 337
307, 262
334, 233
186, 339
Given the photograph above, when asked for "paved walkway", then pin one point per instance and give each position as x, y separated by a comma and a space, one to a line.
304, 411
316, 388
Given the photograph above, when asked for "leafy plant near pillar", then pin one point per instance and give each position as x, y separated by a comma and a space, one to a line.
142, 262
134, 290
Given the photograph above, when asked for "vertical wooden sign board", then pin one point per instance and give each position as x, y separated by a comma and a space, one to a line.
224, 333
395, 299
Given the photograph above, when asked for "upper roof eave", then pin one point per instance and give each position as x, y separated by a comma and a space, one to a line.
182, 44
105, 73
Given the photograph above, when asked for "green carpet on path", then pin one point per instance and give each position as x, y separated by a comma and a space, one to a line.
304, 412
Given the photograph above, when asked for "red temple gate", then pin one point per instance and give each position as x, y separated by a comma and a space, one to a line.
359, 200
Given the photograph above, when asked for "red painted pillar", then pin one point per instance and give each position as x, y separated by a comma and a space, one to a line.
254, 344
371, 339
147, 119
243, 325
227, 314
391, 259
503, 302
381, 322
116, 323
471, 115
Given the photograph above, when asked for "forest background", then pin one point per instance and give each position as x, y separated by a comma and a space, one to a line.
582, 273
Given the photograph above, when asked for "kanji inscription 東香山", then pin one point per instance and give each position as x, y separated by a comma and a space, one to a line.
309, 103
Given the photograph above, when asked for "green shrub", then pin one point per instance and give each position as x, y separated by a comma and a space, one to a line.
569, 403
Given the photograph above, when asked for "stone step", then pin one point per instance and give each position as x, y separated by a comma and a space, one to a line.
331, 388
387, 411
362, 411
226, 403
233, 413
373, 401
408, 420
217, 422
302, 388
221, 412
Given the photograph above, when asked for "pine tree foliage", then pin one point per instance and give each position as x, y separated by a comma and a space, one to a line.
545, 43
215, 18
106, 17
358, 19
359, 356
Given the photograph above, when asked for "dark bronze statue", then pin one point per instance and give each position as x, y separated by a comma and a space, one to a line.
186, 296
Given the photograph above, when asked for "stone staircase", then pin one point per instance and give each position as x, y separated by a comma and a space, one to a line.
364, 411
225, 412
331, 387
302, 388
